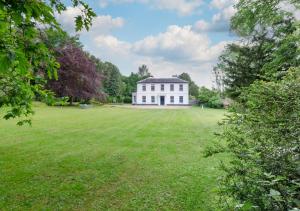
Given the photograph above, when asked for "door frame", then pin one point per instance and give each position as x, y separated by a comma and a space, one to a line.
160, 97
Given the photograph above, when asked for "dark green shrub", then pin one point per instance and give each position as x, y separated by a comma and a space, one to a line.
263, 134
210, 98
127, 99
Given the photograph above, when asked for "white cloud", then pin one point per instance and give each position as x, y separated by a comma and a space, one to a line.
220, 21
110, 44
180, 44
222, 4
182, 7
177, 50
100, 25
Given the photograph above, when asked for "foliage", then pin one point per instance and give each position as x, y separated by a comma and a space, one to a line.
241, 66
130, 84
57, 38
112, 82
263, 135
193, 88
22, 52
210, 98
213, 148
144, 72
77, 76
262, 131
268, 48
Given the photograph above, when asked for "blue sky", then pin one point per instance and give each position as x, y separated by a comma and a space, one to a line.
169, 36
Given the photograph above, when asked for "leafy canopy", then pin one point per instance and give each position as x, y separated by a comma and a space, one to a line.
262, 131
193, 88
23, 52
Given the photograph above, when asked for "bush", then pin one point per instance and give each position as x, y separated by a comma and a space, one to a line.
210, 98
127, 99
263, 134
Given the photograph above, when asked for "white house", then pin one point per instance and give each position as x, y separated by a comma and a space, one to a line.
161, 91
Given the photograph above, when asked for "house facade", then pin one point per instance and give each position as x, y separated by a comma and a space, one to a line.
161, 92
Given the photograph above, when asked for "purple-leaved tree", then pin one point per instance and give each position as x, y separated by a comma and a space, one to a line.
77, 76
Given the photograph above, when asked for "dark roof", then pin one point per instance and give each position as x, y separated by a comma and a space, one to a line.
162, 80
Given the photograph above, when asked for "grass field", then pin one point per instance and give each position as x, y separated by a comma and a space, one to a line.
109, 158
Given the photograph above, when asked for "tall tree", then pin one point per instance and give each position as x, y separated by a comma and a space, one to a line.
144, 71
263, 129
77, 76
193, 88
22, 52
113, 84
268, 48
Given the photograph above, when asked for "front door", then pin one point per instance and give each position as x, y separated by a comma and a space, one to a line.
162, 100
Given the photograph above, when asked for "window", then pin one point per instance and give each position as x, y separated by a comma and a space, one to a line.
171, 87
134, 99
180, 99
172, 99
144, 99
152, 99
162, 87
180, 87
144, 87
152, 87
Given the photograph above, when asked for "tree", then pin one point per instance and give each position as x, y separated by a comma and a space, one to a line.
144, 72
241, 66
193, 88
262, 130
22, 52
130, 84
263, 136
268, 48
77, 76
113, 84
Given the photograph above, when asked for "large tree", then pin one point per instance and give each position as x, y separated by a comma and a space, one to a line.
112, 84
262, 132
23, 53
193, 88
77, 76
268, 47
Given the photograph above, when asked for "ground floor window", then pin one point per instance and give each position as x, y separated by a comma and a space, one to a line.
172, 99
144, 99
134, 99
180, 99
152, 99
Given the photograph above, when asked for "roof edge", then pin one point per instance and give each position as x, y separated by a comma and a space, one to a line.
181, 80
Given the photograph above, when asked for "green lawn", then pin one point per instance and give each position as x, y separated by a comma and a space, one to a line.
110, 158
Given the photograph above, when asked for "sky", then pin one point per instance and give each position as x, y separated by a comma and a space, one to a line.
169, 36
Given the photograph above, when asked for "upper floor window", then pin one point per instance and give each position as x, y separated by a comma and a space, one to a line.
171, 87
172, 99
144, 87
180, 87
144, 99
152, 87
180, 99
162, 87
152, 99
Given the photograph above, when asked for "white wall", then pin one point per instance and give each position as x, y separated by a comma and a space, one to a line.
167, 93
